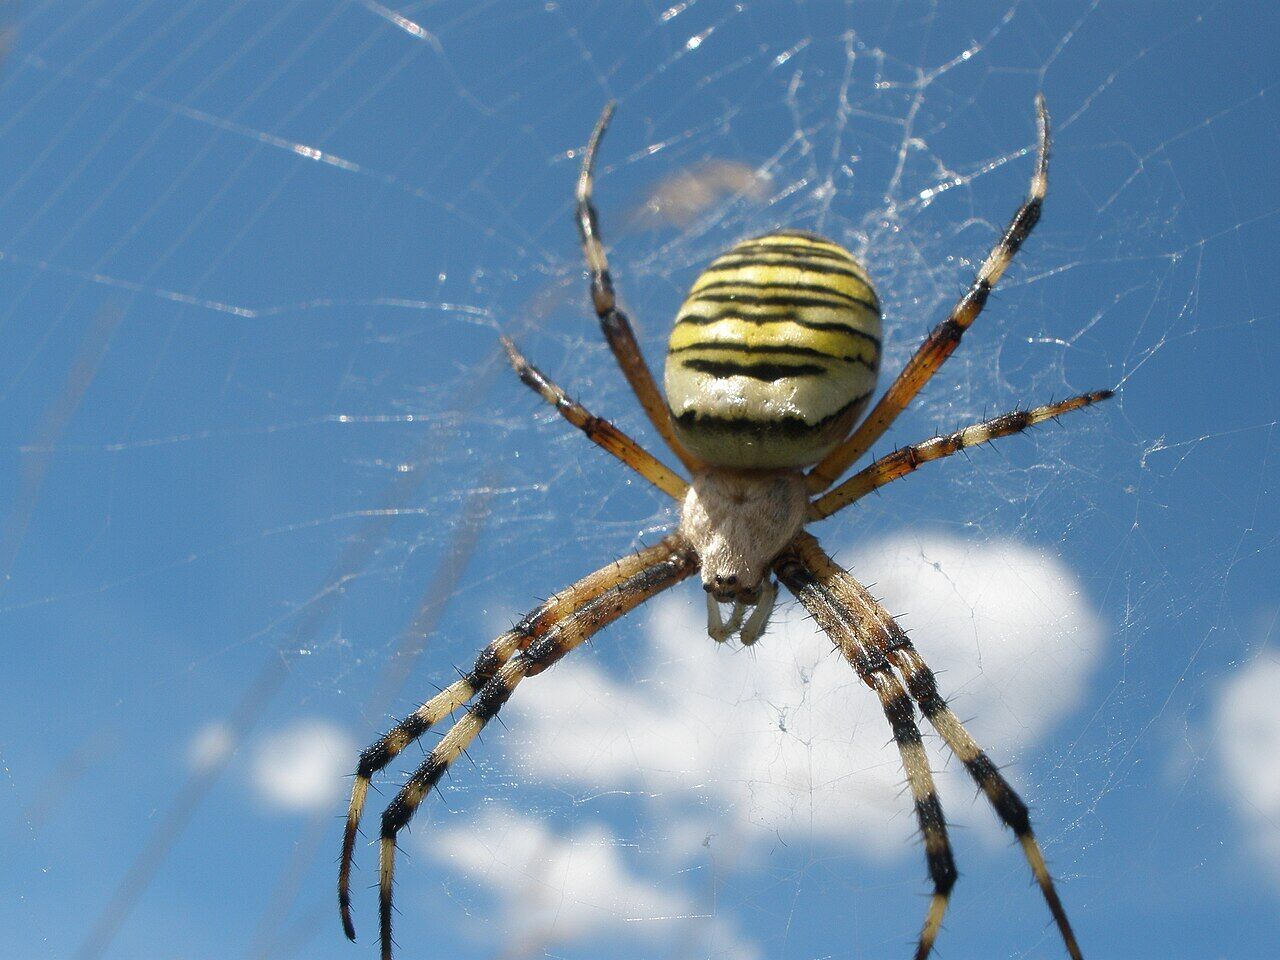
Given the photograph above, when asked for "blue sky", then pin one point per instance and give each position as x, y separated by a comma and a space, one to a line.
255, 261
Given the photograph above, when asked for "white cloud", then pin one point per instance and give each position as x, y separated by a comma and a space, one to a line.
1005, 625
746, 748
783, 739
1246, 735
210, 746
303, 766
555, 890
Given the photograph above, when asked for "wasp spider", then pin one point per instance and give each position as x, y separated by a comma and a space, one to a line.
772, 359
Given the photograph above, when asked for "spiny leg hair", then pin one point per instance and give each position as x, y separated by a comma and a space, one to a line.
922, 685
908, 459
848, 629
547, 616
615, 324
944, 339
599, 431
669, 562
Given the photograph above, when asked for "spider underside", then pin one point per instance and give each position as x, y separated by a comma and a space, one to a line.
743, 514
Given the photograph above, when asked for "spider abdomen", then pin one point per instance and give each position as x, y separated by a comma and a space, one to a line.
774, 353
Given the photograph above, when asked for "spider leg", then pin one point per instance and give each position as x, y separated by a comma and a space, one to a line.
546, 617
669, 562
848, 629
1008, 805
907, 459
613, 322
897, 647
944, 339
600, 432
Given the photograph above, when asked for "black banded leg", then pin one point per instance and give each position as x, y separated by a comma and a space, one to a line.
613, 322
908, 459
600, 432
848, 630
538, 622
387, 747
1009, 807
929, 816
673, 561
945, 337
895, 645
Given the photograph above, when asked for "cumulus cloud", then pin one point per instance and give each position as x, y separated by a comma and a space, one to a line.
1005, 625
682, 197
210, 746
783, 739
1246, 735
303, 766
745, 748
554, 890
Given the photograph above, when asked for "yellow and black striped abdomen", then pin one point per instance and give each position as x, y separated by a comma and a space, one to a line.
774, 353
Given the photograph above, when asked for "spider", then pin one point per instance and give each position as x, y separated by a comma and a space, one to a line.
772, 359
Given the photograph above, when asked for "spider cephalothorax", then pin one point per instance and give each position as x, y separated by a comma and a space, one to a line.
738, 522
773, 358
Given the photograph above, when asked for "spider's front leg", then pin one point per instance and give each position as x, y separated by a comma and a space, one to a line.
547, 616
851, 632
812, 570
577, 614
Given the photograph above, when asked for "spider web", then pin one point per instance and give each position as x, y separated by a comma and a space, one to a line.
268, 480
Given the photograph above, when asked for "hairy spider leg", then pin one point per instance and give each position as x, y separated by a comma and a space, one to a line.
906, 460
542, 619
944, 339
674, 561
615, 324
881, 629
598, 430
849, 632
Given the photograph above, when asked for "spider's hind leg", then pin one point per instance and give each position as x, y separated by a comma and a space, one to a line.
614, 324
905, 460
945, 337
